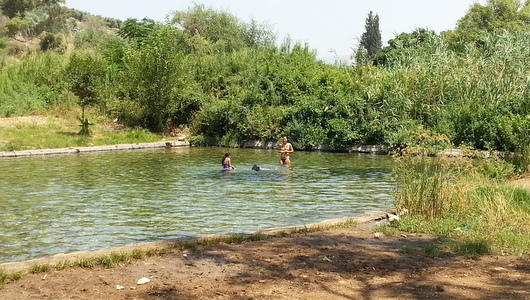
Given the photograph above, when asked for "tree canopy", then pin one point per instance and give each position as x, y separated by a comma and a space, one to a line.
495, 16
13, 8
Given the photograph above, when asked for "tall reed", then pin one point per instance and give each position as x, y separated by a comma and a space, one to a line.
466, 200
424, 185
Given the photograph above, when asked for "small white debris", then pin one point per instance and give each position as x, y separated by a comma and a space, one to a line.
143, 280
326, 259
392, 217
120, 287
377, 235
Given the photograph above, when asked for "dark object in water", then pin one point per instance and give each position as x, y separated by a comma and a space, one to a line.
255, 167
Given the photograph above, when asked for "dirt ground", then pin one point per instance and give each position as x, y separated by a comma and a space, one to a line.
345, 263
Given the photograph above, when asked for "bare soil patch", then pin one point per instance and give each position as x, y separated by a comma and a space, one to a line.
345, 263
523, 182
31, 120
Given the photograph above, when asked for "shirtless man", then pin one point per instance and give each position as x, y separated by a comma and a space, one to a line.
285, 149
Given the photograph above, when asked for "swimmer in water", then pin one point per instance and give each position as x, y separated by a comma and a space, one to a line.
285, 149
226, 162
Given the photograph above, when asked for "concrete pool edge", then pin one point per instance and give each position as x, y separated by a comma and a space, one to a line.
368, 218
75, 150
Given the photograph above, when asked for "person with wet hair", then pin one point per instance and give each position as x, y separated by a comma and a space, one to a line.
285, 150
227, 162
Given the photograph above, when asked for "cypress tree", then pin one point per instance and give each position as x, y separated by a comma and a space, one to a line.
371, 38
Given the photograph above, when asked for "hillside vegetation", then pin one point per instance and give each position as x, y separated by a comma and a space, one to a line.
228, 81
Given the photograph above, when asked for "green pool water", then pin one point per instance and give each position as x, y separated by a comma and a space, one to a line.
92, 201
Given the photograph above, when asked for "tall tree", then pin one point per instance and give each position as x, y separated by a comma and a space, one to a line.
84, 73
136, 31
219, 28
370, 39
494, 17
497, 15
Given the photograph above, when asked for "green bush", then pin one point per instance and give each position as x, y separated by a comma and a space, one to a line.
51, 41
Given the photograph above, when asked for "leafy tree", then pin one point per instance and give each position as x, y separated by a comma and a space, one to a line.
40, 18
219, 28
137, 31
54, 20
16, 25
494, 17
84, 72
13, 8
152, 81
371, 38
258, 35
51, 41
398, 47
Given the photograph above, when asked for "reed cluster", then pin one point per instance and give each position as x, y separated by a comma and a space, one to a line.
469, 200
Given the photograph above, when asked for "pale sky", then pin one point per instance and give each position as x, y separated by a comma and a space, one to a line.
329, 26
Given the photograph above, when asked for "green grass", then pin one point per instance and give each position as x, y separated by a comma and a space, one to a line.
61, 133
477, 213
7, 277
34, 269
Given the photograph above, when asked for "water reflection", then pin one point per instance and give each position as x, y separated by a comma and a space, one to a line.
286, 173
93, 201
227, 174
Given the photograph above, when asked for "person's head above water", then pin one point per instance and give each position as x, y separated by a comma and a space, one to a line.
227, 155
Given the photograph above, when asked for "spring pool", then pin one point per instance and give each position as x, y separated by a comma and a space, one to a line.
91, 201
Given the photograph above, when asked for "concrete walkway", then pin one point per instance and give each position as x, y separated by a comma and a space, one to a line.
73, 150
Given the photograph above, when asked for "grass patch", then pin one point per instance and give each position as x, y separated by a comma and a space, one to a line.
35, 269
115, 259
478, 212
468, 249
63, 265
434, 250
241, 238
405, 250
87, 263
7, 277
474, 249
63, 133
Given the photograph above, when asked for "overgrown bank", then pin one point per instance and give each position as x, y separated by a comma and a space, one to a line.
227, 81
469, 200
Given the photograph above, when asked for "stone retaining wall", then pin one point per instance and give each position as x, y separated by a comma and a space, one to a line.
370, 149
